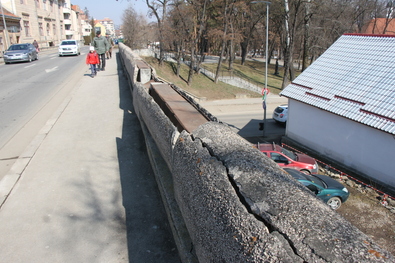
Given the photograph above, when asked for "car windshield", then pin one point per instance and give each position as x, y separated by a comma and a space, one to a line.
279, 110
18, 47
289, 154
316, 180
306, 177
68, 43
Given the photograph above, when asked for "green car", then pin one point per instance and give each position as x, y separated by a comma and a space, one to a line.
327, 189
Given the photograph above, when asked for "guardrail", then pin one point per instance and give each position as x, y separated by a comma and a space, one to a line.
227, 202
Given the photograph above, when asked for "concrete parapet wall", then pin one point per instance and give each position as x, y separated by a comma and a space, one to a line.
238, 205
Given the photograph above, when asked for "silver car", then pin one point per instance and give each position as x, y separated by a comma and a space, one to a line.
20, 52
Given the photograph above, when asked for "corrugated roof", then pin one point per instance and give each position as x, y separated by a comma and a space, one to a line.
354, 78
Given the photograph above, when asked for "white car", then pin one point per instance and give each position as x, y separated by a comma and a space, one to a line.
280, 114
69, 47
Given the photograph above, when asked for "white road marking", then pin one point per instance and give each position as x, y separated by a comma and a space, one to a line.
31, 65
52, 69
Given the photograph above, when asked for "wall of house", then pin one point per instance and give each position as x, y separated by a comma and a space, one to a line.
353, 144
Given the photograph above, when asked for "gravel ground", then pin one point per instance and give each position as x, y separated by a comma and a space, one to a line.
364, 209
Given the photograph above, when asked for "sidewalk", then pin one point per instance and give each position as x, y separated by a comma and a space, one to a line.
84, 190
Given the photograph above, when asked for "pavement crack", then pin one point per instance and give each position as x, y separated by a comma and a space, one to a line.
9, 158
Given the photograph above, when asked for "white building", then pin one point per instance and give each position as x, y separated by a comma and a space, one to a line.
343, 106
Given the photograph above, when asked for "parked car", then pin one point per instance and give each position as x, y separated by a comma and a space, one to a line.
289, 159
69, 47
327, 189
280, 113
20, 52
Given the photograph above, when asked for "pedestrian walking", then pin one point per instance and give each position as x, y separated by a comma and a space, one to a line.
101, 46
92, 59
35, 44
111, 44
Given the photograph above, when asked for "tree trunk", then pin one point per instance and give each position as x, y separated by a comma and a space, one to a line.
306, 35
287, 46
244, 50
223, 44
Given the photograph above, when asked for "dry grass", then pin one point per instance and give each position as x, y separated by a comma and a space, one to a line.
203, 86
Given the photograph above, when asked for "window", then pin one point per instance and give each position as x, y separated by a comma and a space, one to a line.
278, 158
41, 29
54, 29
22, 2
45, 4
48, 29
14, 29
26, 27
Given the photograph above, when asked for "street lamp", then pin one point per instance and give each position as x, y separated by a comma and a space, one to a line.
265, 91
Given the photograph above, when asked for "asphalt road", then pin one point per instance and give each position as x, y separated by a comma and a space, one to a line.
30, 93
244, 115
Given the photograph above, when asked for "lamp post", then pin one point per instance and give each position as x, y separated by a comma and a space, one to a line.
265, 91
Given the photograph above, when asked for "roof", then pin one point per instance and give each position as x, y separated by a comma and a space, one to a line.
380, 26
8, 15
354, 79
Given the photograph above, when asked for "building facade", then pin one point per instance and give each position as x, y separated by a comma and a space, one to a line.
46, 21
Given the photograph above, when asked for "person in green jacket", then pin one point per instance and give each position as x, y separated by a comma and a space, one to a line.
101, 46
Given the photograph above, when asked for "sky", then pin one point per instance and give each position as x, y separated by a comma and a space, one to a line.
113, 9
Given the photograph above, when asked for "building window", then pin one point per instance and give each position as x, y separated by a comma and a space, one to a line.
54, 29
22, 2
48, 29
14, 29
40, 28
27, 28
45, 4
37, 2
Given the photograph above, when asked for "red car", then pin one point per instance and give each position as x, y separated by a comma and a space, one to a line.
288, 159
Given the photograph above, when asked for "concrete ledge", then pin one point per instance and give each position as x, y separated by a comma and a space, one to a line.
237, 204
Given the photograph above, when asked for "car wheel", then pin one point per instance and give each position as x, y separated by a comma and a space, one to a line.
334, 202
30, 58
306, 171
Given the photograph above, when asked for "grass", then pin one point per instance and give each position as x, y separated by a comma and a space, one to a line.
254, 72
203, 86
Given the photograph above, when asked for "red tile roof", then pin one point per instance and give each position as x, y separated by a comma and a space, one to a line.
380, 26
8, 14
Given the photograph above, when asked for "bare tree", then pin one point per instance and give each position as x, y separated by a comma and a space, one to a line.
159, 10
135, 29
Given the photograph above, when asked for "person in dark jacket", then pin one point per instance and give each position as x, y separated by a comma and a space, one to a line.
35, 44
101, 46
111, 44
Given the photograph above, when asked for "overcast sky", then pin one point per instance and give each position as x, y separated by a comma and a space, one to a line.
113, 9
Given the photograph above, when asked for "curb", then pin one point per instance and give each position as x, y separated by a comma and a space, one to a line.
9, 181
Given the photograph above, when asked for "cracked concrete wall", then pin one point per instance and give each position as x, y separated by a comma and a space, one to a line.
313, 231
239, 206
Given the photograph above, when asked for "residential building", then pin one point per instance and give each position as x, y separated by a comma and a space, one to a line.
343, 106
108, 26
47, 21
13, 34
99, 27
